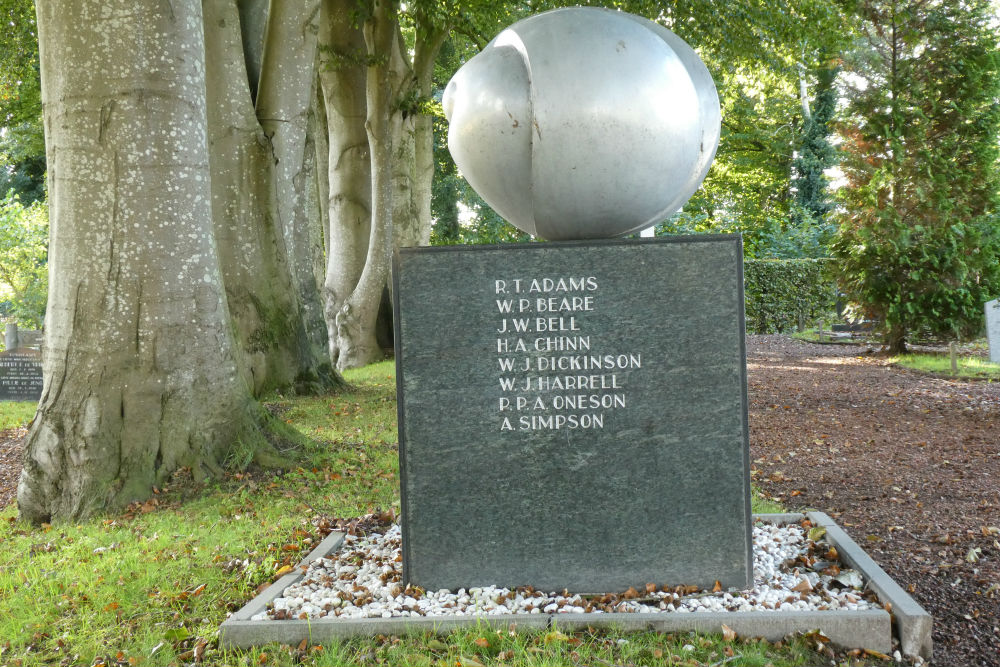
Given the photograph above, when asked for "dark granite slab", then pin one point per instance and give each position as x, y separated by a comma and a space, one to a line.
21, 375
573, 415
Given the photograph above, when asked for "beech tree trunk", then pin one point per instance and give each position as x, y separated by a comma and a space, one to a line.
249, 195
315, 201
405, 223
425, 53
284, 99
140, 369
319, 210
343, 77
251, 248
356, 318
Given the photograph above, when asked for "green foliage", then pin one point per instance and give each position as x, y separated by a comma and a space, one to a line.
919, 239
24, 276
753, 50
446, 187
22, 145
778, 292
816, 153
803, 236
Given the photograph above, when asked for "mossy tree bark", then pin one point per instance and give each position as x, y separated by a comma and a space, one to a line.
254, 203
348, 65
355, 321
342, 76
284, 102
142, 373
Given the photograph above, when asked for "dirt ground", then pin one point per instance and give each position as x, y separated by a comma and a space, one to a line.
908, 464
10, 463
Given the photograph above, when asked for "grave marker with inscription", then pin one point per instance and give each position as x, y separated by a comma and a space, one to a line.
20, 375
573, 415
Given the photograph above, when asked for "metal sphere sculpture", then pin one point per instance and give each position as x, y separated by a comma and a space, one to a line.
584, 123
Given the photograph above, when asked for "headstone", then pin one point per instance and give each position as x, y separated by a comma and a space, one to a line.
574, 415
10, 336
20, 375
29, 338
993, 329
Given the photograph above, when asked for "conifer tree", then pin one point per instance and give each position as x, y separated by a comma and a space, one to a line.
918, 236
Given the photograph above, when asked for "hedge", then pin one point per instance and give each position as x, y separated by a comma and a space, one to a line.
779, 290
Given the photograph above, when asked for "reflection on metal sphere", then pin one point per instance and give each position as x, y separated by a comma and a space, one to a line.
583, 123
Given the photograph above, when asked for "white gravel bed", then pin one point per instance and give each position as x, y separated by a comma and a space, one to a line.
362, 580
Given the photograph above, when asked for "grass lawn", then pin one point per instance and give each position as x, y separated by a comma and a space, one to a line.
969, 368
16, 414
151, 587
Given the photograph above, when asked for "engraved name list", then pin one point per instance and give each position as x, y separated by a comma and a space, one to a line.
553, 372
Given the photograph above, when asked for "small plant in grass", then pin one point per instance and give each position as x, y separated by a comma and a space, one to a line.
761, 505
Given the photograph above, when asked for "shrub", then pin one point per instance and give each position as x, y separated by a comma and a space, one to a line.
779, 291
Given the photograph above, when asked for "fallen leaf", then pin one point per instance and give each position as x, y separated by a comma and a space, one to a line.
803, 586
850, 578
469, 662
176, 634
437, 645
717, 587
877, 654
199, 650
728, 633
482, 642
816, 533
556, 636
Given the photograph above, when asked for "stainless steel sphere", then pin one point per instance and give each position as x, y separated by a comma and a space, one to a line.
583, 123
